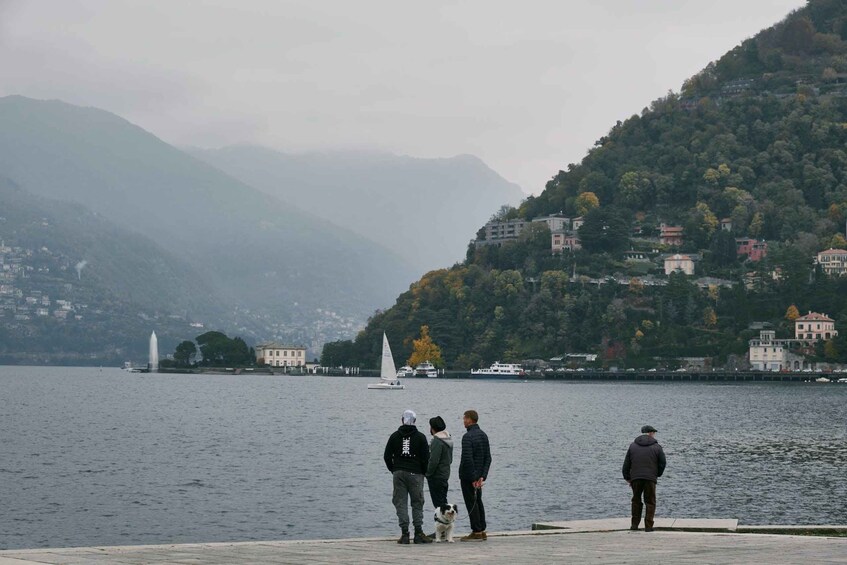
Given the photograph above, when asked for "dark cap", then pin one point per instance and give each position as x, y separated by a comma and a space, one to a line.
648, 429
437, 423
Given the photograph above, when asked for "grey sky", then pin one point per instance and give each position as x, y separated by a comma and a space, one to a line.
527, 86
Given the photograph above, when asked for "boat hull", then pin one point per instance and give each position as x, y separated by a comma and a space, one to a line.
385, 386
497, 375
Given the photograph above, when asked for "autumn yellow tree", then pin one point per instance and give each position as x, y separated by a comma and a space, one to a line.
710, 319
585, 202
425, 350
838, 241
792, 313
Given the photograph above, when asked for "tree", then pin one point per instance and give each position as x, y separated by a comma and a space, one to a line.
792, 313
425, 350
586, 202
185, 353
710, 319
219, 350
605, 229
634, 189
701, 224
757, 224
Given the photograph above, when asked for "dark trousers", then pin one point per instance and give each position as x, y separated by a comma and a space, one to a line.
473, 502
438, 491
647, 489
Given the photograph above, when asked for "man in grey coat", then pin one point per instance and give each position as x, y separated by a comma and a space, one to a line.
643, 465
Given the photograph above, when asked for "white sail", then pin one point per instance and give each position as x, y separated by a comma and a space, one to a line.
387, 372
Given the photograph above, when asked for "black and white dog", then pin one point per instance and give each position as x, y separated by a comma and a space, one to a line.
445, 516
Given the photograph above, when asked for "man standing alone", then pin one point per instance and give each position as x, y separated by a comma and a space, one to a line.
406, 456
643, 465
473, 470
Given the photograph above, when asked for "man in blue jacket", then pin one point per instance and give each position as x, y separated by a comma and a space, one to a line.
473, 471
643, 465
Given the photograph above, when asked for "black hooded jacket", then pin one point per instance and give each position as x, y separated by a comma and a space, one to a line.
407, 450
644, 459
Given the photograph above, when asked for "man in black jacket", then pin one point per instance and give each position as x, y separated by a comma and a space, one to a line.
473, 471
407, 456
643, 465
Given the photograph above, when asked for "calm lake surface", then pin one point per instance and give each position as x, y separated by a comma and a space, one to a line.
104, 457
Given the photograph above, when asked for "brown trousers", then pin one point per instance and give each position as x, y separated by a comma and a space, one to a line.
648, 490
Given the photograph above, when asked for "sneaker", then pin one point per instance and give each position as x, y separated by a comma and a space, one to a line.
421, 537
404, 539
484, 535
475, 536
648, 529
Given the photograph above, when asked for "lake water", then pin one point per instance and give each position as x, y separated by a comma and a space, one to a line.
104, 457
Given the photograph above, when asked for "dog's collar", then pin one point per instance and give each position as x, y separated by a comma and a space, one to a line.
439, 520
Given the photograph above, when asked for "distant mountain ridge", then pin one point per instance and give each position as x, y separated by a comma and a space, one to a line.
111, 287
424, 209
271, 265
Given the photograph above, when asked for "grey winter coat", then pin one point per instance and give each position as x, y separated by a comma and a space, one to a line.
440, 456
644, 459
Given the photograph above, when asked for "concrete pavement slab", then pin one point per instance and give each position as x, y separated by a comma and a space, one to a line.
548, 546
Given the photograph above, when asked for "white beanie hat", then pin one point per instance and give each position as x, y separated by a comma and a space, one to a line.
409, 417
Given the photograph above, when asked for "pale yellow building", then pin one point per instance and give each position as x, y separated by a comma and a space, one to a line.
277, 355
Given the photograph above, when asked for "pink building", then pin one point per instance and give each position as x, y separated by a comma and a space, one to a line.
814, 326
670, 235
754, 249
565, 240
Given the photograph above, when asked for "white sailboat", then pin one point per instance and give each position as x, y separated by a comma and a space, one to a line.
388, 379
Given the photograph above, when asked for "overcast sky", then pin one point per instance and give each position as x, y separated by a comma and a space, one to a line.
527, 86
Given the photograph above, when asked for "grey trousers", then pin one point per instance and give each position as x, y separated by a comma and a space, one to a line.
408, 486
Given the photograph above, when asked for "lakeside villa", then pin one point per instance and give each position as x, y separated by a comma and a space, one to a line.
767, 353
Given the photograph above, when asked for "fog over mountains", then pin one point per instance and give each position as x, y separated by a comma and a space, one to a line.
269, 266
426, 210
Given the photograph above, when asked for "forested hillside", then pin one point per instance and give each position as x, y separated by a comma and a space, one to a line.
757, 139
76, 289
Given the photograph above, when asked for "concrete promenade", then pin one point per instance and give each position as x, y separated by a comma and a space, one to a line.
587, 541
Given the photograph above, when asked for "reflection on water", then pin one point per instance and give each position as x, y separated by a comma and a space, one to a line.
93, 457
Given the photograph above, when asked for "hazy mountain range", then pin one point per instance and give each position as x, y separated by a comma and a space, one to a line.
426, 210
193, 243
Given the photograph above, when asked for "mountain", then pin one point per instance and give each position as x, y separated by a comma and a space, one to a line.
278, 271
423, 209
73, 285
752, 149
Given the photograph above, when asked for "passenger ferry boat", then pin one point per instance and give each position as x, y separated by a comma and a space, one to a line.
500, 370
426, 369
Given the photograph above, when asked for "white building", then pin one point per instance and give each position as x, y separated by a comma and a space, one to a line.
677, 262
833, 261
767, 353
277, 355
556, 222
